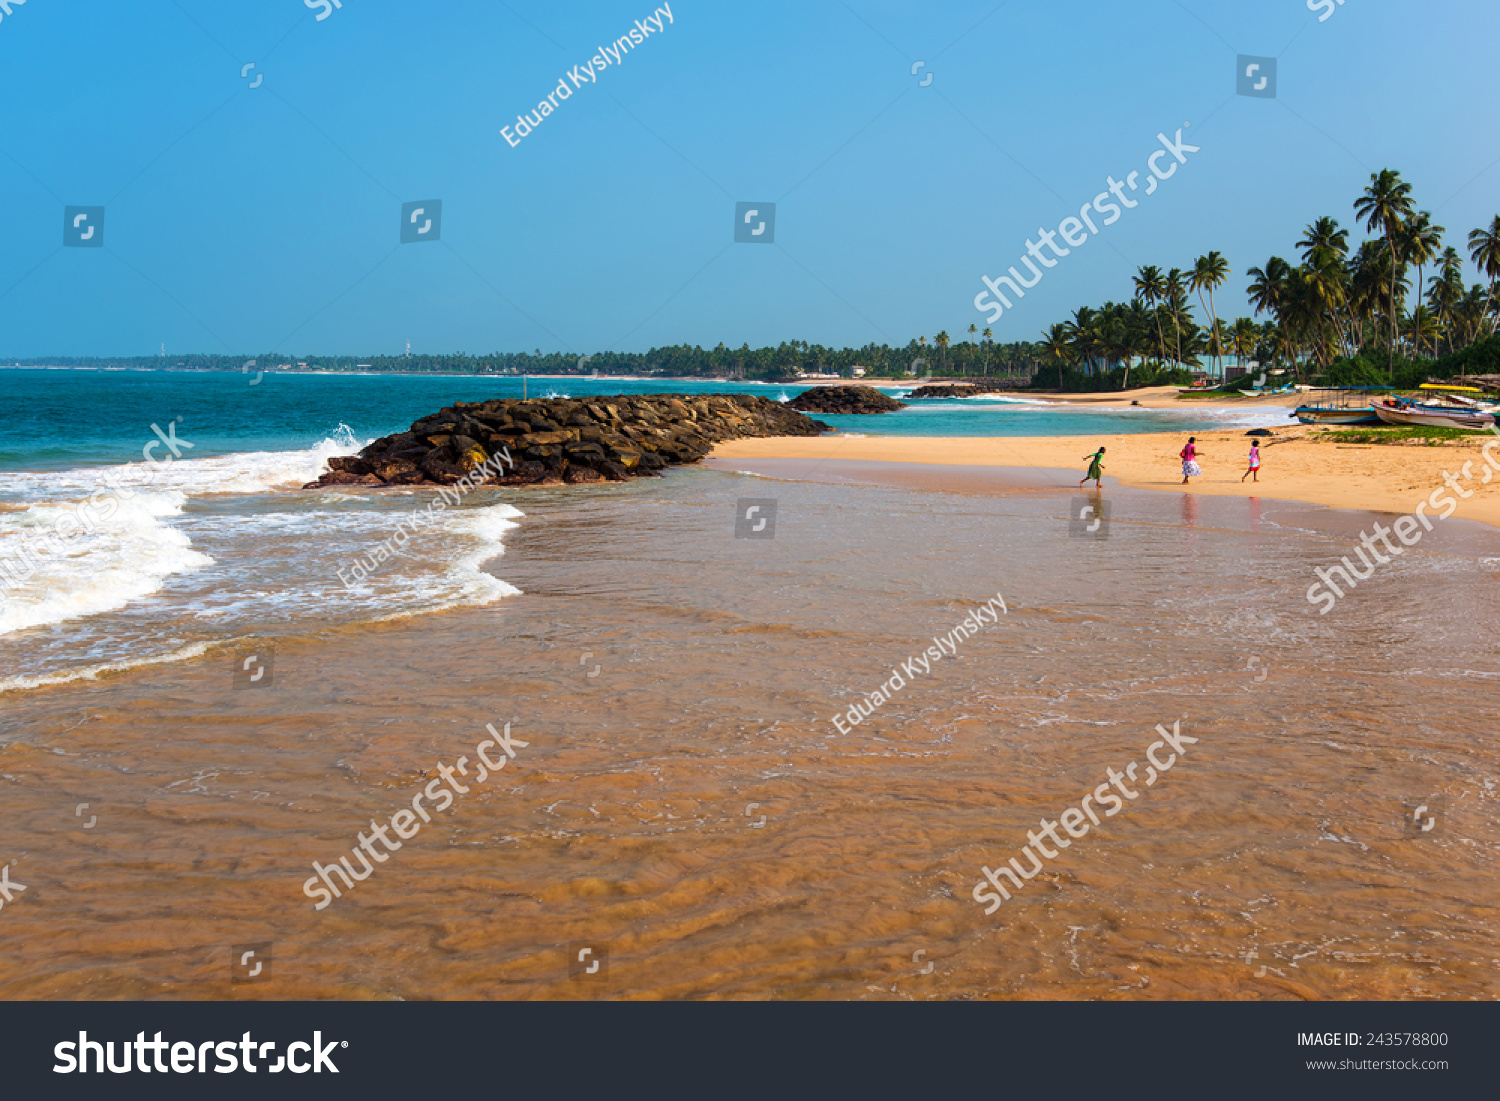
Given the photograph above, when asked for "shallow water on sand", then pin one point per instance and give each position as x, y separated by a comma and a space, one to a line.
686, 804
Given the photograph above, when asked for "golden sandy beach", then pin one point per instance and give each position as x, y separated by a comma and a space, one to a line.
1299, 464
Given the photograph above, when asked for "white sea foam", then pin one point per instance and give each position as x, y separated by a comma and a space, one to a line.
93, 672
49, 577
83, 542
1004, 399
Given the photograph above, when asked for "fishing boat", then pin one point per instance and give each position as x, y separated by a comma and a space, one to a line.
1400, 410
1342, 405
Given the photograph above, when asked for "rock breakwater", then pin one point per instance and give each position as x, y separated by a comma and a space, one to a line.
969, 389
844, 399
550, 441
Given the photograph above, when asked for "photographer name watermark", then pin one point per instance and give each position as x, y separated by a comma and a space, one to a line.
972, 624
588, 72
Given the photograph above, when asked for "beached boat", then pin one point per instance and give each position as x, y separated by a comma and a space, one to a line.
1397, 410
1345, 405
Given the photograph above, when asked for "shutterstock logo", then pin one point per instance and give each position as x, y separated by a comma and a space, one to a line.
421, 221
83, 226
5, 6
1256, 77
255, 668
588, 961
188, 1058
755, 518
754, 223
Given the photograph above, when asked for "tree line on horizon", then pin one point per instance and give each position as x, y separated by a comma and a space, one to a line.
779, 364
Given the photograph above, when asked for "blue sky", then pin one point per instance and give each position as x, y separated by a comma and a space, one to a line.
244, 219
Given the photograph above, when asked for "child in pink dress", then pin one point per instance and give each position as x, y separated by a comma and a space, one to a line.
1254, 463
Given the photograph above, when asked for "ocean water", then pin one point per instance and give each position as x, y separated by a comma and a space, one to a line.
148, 516
59, 419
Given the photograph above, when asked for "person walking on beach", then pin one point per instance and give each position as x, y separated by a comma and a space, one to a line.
1254, 462
1096, 469
1189, 456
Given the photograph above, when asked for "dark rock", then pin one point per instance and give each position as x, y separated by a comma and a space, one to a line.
440, 469
350, 464
555, 442
1260, 432
969, 389
837, 399
392, 469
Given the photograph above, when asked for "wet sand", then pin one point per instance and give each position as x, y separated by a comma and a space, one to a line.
677, 683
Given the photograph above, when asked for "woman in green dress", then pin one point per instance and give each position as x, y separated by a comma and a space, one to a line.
1096, 469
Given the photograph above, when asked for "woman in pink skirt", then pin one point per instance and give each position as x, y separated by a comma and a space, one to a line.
1189, 456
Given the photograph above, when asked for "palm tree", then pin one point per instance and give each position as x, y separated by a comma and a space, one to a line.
1447, 291
1384, 206
1210, 273
1420, 243
1176, 302
989, 343
1151, 288
1056, 349
1484, 250
1242, 343
1325, 248
941, 340
1472, 312
1423, 328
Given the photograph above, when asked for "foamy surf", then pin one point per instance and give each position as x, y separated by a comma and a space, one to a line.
103, 569
49, 577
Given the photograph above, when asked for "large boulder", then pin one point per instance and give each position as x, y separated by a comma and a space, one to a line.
842, 400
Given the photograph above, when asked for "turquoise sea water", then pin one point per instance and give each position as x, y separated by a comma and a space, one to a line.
108, 562
56, 419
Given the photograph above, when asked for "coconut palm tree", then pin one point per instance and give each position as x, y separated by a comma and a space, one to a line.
1325, 248
1447, 291
1369, 272
989, 344
1384, 206
1177, 302
1484, 250
1472, 311
1056, 349
1209, 273
941, 340
1151, 289
1423, 328
1420, 243
1242, 340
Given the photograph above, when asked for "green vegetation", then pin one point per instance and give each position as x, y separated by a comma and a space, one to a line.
1479, 358
1393, 433
984, 359
1148, 374
1332, 311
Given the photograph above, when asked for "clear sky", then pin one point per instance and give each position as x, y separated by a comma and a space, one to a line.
246, 219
